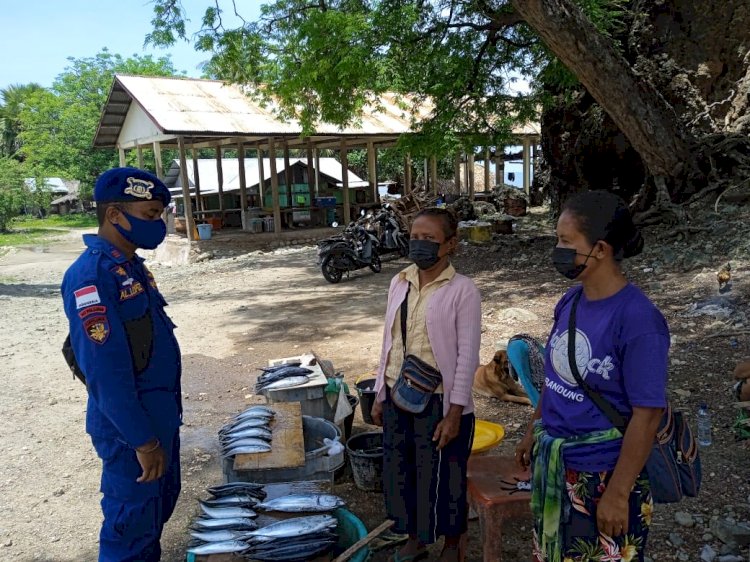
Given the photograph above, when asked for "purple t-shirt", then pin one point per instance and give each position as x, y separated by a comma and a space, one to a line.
622, 348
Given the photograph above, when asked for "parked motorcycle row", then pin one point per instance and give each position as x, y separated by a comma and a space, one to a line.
361, 244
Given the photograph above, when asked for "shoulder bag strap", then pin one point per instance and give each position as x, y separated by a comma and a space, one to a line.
404, 312
617, 419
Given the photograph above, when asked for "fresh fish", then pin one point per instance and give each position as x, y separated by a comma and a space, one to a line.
244, 424
295, 503
279, 367
257, 432
231, 524
246, 450
246, 441
220, 535
238, 488
228, 512
238, 500
219, 548
260, 412
294, 553
297, 526
287, 382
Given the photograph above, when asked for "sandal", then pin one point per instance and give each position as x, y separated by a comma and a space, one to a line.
388, 539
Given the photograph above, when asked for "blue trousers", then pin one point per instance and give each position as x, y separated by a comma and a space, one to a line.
135, 514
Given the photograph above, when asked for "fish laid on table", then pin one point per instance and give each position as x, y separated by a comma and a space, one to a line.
255, 412
269, 378
245, 441
244, 424
257, 432
287, 382
220, 535
230, 524
295, 503
228, 501
224, 547
238, 488
246, 450
297, 526
294, 552
228, 512
280, 367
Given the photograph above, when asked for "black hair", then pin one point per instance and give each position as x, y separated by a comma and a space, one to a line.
605, 216
101, 209
450, 222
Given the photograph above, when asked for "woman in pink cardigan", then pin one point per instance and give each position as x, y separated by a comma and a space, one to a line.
425, 454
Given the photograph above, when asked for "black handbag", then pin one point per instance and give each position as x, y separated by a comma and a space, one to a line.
417, 380
674, 465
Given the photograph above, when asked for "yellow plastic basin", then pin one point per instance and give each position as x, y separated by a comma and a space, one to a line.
486, 436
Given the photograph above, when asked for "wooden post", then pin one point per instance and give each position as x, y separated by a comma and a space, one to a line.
310, 179
499, 165
470, 166
261, 180
372, 172
139, 152
407, 175
426, 171
345, 182
526, 166
457, 172
486, 168
197, 180
157, 161
274, 186
189, 221
316, 153
288, 175
220, 179
243, 185
433, 175
121, 152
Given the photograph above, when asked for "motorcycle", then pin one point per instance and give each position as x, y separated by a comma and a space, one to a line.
355, 248
391, 238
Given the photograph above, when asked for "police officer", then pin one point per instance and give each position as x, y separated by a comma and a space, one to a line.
124, 345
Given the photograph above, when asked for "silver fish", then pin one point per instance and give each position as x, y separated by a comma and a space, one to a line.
256, 412
238, 488
228, 512
219, 547
295, 503
231, 523
245, 442
228, 501
220, 535
287, 382
249, 432
246, 450
244, 424
296, 526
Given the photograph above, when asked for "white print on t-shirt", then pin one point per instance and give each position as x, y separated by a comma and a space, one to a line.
562, 391
585, 363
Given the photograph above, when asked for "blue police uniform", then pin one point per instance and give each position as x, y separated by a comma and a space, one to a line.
124, 344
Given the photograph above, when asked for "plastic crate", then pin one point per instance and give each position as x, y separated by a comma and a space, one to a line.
325, 202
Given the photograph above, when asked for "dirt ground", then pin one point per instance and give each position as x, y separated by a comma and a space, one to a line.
241, 308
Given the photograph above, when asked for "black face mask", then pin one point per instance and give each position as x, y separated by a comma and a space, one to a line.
565, 262
424, 253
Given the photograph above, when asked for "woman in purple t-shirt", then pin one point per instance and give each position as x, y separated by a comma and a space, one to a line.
592, 498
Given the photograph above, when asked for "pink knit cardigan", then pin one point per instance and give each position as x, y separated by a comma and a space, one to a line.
454, 329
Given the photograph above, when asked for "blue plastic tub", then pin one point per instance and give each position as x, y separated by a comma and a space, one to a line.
204, 231
350, 530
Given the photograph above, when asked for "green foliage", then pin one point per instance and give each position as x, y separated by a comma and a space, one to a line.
12, 191
12, 100
58, 125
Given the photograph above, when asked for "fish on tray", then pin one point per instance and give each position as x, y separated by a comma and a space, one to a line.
227, 512
224, 547
220, 535
253, 449
296, 526
227, 524
258, 411
290, 550
287, 382
228, 501
238, 488
244, 424
249, 432
295, 503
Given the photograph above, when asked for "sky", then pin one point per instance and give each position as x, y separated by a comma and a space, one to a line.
38, 36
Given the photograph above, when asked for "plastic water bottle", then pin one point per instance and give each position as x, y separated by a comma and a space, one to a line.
704, 426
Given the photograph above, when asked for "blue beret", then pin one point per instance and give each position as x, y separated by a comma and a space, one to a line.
130, 185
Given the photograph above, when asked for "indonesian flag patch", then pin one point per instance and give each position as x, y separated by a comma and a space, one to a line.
86, 296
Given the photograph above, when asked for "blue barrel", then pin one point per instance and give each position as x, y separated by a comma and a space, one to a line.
204, 231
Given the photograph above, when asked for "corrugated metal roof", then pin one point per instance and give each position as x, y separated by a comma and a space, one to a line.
215, 109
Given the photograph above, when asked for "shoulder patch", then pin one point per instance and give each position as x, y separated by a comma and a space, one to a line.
96, 309
86, 296
97, 329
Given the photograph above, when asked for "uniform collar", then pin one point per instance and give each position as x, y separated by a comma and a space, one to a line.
411, 274
97, 243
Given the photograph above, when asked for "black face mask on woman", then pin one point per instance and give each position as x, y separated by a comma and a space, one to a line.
424, 253
565, 261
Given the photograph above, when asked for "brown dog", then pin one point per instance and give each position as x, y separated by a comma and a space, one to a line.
494, 381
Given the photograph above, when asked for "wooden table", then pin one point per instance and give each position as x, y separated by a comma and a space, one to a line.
287, 445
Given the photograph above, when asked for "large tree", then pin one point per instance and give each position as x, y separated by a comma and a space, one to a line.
324, 59
58, 125
13, 99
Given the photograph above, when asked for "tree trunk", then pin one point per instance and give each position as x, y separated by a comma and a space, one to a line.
634, 105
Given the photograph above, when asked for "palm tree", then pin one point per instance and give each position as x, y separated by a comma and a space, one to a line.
12, 100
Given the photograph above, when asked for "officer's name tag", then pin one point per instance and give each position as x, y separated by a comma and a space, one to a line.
86, 296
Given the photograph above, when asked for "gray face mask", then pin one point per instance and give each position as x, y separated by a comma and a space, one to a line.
564, 260
424, 253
